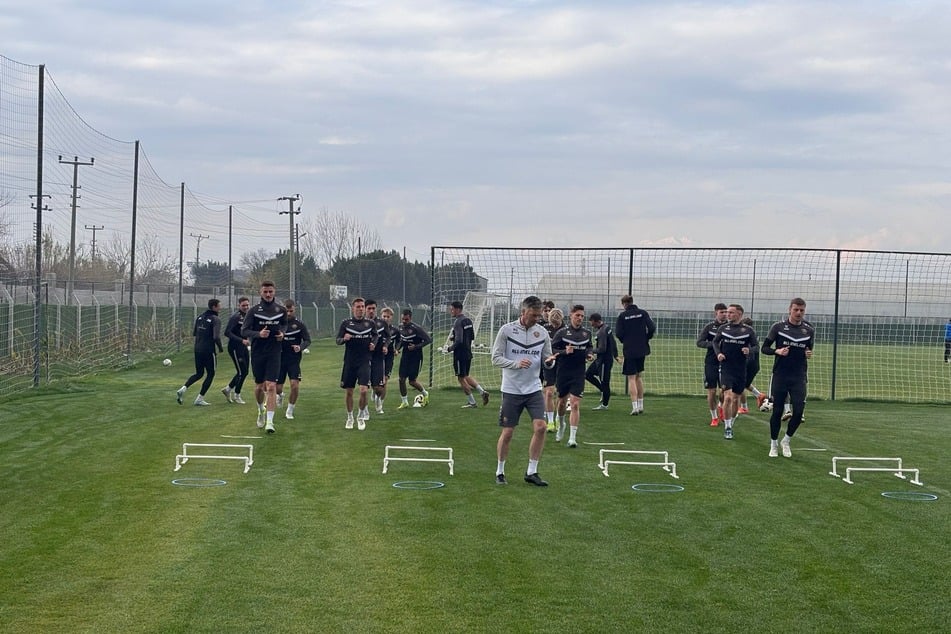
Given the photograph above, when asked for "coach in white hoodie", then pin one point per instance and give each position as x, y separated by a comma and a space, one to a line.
520, 348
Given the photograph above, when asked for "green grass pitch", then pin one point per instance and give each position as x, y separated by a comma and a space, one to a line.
315, 538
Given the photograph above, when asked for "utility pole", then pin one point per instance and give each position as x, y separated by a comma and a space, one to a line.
292, 256
297, 236
72, 224
94, 229
199, 237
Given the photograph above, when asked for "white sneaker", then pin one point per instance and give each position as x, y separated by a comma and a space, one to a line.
236, 398
289, 415
201, 401
600, 406
361, 424
572, 444
773, 451
349, 424
269, 428
786, 416
227, 392
787, 450
280, 400
262, 417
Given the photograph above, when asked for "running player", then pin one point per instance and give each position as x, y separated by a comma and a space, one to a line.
731, 345
264, 328
463, 335
238, 351
359, 336
207, 333
296, 340
711, 367
571, 348
392, 336
790, 343
413, 339
605, 352
378, 358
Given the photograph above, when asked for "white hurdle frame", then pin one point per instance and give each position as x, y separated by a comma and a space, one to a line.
849, 470
387, 458
836, 459
184, 457
666, 465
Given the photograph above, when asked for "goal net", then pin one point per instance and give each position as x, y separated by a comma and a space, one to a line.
879, 316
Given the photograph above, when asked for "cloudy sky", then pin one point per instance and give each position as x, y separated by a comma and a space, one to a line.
531, 123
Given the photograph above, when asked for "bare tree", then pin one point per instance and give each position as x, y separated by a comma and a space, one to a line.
153, 264
335, 236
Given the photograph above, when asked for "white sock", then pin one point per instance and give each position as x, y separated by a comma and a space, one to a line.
425, 393
270, 417
729, 423
532, 467
405, 399
550, 417
471, 399
640, 404
479, 389
350, 415
501, 468
713, 413
572, 434
290, 408
773, 443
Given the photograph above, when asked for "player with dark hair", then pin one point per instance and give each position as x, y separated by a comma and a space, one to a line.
519, 349
634, 329
238, 351
413, 338
605, 352
358, 334
207, 333
711, 367
296, 340
264, 328
461, 339
378, 358
571, 348
790, 343
731, 345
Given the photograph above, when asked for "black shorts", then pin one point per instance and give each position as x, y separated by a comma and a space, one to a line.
290, 368
461, 364
410, 365
514, 404
265, 364
633, 365
711, 374
354, 375
378, 371
733, 378
569, 383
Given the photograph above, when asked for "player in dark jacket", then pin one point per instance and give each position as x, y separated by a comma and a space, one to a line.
634, 329
207, 333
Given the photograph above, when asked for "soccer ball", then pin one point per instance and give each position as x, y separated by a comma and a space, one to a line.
306, 350
167, 362
418, 401
767, 406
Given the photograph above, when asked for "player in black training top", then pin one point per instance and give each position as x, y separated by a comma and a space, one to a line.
296, 340
571, 348
264, 328
238, 351
378, 359
711, 367
605, 352
207, 333
732, 345
790, 343
412, 341
359, 336
634, 329
460, 344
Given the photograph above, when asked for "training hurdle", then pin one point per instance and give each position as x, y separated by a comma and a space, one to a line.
896, 470
388, 458
184, 457
666, 465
